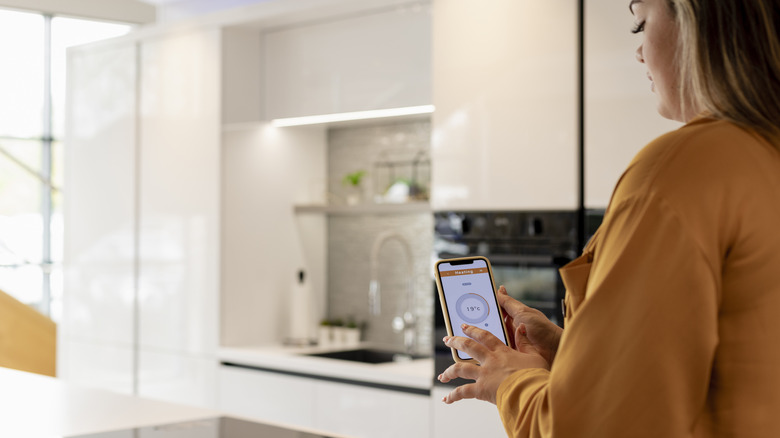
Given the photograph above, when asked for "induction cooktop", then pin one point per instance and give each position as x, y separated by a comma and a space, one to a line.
221, 427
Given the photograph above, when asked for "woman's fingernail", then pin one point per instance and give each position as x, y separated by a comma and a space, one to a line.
445, 339
464, 326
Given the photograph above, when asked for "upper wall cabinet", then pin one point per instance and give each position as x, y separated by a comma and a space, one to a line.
620, 110
505, 125
370, 61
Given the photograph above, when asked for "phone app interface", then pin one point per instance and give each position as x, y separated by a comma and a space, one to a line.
470, 298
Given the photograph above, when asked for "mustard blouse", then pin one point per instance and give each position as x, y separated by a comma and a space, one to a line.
673, 310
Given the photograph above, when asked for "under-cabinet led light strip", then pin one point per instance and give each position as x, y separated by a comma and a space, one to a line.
357, 115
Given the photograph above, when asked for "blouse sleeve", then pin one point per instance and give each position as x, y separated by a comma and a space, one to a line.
635, 359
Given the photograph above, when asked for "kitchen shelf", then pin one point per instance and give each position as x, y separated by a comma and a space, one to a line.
361, 209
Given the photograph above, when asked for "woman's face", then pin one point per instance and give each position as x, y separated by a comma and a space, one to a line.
654, 21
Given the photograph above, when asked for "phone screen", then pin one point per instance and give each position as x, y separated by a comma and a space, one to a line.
470, 297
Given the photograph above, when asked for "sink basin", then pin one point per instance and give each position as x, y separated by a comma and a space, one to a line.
367, 355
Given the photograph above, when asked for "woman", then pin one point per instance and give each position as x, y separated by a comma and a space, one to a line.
673, 310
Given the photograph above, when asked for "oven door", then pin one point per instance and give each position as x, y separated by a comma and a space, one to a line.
533, 280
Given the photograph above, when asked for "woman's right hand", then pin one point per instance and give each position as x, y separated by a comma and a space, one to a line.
543, 334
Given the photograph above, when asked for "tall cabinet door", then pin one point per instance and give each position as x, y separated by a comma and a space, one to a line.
179, 216
620, 110
505, 92
96, 333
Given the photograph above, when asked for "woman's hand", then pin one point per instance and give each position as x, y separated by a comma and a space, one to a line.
497, 362
542, 333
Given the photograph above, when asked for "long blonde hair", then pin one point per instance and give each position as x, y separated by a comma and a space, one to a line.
729, 57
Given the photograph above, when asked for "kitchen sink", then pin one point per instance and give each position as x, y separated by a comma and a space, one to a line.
367, 355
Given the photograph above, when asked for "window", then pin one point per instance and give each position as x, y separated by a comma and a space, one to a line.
32, 85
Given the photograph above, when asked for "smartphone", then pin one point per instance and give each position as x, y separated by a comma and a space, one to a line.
468, 295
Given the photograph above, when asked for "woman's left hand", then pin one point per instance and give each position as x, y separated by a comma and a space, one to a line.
497, 362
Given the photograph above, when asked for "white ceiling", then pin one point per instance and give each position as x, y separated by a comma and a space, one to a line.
133, 11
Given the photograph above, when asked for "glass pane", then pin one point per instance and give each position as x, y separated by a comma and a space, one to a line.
21, 232
24, 283
67, 32
21, 78
27, 152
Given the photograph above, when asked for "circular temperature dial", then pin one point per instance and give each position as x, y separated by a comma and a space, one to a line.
472, 308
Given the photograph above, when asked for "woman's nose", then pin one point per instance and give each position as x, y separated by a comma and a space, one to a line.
639, 56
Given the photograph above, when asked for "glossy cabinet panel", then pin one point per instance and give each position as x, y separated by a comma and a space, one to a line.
620, 109
96, 332
339, 408
505, 125
143, 213
374, 60
362, 411
266, 396
100, 185
179, 193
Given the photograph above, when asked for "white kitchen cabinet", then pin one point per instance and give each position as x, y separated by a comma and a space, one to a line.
266, 396
142, 218
334, 407
505, 91
620, 110
96, 333
179, 199
362, 411
179, 210
375, 60
466, 418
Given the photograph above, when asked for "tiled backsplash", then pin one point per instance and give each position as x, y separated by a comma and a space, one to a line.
385, 152
351, 237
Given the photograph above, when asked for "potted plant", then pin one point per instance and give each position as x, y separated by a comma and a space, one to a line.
352, 181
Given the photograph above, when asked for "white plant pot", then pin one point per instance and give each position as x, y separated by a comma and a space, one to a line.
325, 336
351, 336
339, 335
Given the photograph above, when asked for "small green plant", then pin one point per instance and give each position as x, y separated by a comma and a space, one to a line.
353, 178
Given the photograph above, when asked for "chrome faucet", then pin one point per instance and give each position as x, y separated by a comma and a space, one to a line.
408, 320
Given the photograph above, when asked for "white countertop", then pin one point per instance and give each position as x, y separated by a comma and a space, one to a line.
417, 374
32, 405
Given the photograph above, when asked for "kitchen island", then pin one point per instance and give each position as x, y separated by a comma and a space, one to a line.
32, 405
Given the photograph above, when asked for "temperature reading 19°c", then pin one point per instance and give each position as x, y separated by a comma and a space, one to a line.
473, 308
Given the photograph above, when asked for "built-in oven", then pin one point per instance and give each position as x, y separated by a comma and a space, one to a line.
525, 249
